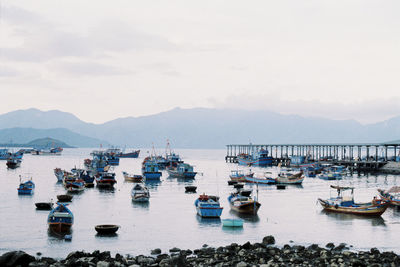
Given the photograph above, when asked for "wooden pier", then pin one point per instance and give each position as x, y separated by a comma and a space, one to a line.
368, 156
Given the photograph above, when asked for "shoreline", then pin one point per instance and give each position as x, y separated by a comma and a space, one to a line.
262, 254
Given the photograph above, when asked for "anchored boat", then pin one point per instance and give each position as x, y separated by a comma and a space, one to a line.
265, 178
60, 219
288, 178
182, 170
26, 188
132, 177
208, 206
260, 158
133, 154
239, 175
243, 203
344, 203
140, 193
105, 179
150, 169
392, 195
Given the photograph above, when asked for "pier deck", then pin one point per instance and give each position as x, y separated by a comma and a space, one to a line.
368, 156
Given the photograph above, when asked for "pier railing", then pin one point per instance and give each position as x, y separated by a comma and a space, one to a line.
376, 154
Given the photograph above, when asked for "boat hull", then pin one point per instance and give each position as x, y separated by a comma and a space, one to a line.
152, 175
366, 209
389, 198
184, 175
134, 154
256, 180
257, 162
209, 212
247, 208
60, 227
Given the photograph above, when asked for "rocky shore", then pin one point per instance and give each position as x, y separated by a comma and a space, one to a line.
258, 254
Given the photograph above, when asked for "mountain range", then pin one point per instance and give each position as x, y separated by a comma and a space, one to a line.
192, 128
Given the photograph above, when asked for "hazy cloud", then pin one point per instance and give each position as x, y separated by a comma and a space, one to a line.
87, 68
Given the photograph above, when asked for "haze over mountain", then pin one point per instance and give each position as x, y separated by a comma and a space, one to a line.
193, 128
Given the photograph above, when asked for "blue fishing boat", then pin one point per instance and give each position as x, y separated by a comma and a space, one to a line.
85, 175
183, 170
330, 175
4, 154
392, 195
150, 169
60, 219
310, 172
260, 158
208, 206
99, 163
26, 188
264, 178
239, 175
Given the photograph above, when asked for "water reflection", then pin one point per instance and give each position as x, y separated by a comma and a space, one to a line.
375, 221
141, 205
208, 222
113, 236
253, 218
152, 184
106, 190
232, 230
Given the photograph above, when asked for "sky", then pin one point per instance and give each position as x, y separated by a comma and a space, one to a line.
101, 60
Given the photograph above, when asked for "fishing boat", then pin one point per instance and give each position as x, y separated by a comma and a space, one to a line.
76, 186
232, 222
264, 178
182, 170
85, 175
330, 175
105, 179
208, 206
392, 195
56, 151
140, 193
133, 154
287, 178
150, 169
259, 158
59, 174
239, 175
44, 205
243, 203
310, 171
26, 188
13, 163
190, 189
132, 177
344, 203
60, 219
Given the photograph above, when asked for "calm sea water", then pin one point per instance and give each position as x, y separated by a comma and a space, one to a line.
170, 220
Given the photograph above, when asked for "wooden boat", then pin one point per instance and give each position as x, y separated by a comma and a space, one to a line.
105, 179
287, 178
190, 188
64, 198
13, 163
208, 206
26, 188
132, 177
44, 205
140, 193
106, 229
59, 173
60, 219
392, 195
243, 204
182, 170
76, 186
330, 175
232, 222
345, 203
239, 175
265, 178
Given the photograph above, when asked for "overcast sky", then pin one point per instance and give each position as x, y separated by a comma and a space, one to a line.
106, 59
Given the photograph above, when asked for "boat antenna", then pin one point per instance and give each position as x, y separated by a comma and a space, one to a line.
216, 178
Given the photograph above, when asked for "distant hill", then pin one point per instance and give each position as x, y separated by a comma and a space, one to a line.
47, 142
25, 135
194, 128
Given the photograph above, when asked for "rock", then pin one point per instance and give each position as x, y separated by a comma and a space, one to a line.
268, 240
134, 265
175, 250
156, 251
374, 251
241, 264
143, 260
103, 264
38, 264
15, 258
205, 245
246, 245
330, 245
178, 261
340, 247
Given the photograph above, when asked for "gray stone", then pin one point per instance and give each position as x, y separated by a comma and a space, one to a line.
156, 251
268, 240
15, 258
241, 264
103, 264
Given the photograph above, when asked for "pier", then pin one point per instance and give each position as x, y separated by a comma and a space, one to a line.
363, 156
